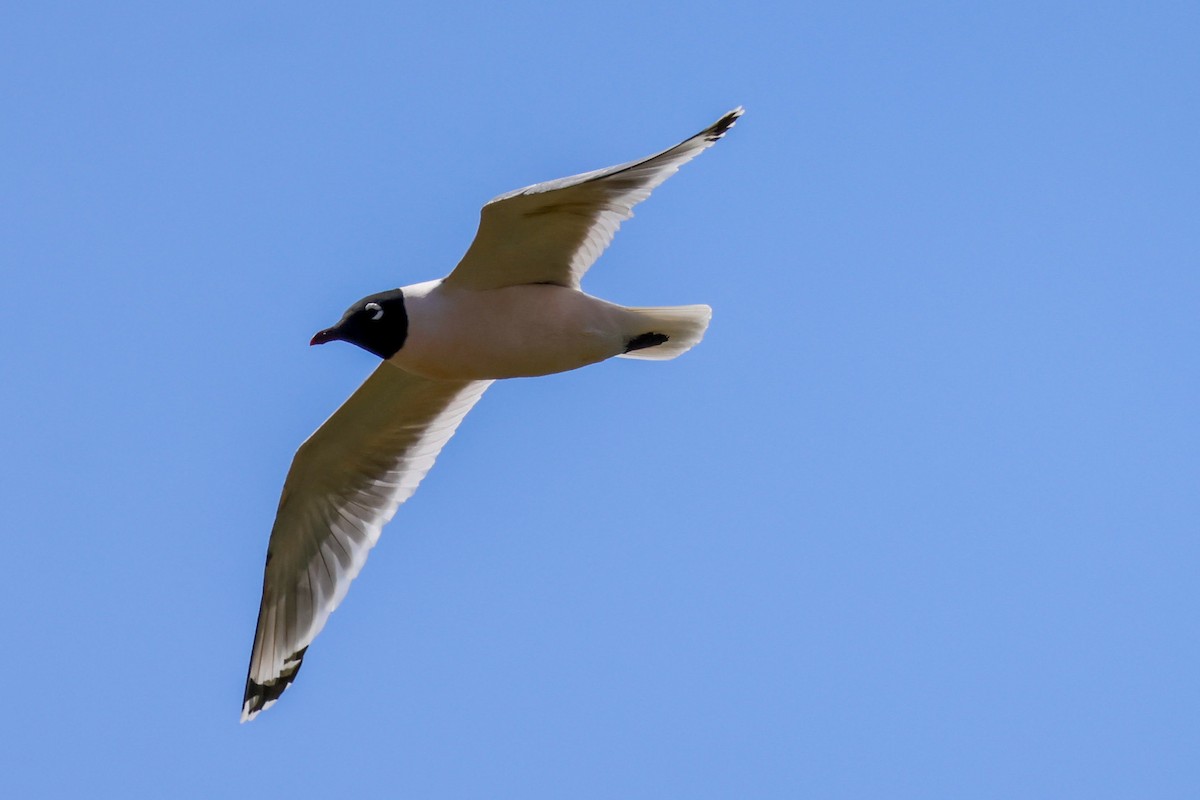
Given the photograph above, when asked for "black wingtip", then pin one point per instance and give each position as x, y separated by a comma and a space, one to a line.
260, 696
718, 128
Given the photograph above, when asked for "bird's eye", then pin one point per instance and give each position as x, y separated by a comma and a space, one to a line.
376, 309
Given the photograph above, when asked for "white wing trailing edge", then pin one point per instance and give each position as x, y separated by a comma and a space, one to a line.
345, 483
553, 232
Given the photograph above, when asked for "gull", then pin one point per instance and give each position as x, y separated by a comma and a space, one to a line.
512, 307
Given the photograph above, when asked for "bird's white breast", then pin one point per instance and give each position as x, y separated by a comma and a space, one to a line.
515, 331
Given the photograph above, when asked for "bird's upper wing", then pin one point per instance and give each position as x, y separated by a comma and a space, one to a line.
345, 483
553, 232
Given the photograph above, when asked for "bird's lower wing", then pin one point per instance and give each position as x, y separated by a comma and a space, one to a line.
345, 483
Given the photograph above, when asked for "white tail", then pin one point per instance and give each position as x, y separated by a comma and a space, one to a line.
683, 327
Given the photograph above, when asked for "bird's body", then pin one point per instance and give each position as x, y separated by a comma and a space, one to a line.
511, 332
513, 307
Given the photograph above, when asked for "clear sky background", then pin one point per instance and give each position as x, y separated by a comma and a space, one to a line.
918, 519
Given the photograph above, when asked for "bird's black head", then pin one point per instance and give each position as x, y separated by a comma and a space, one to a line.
377, 324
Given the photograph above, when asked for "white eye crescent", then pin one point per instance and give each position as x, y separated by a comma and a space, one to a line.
378, 309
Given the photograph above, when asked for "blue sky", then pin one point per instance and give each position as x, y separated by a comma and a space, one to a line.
918, 519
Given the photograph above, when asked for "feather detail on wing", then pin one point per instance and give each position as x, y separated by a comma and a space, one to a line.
553, 232
345, 483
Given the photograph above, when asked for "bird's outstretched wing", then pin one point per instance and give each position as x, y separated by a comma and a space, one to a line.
345, 483
553, 232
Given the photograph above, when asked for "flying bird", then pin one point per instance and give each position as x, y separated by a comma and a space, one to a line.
512, 307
